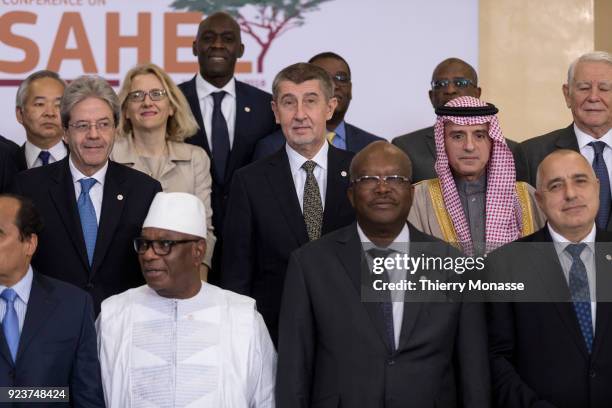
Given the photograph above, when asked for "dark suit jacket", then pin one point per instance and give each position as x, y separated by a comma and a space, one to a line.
8, 168
356, 139
332, 351
20, 158
254, 120
265, 224
57, 346
421, 148
61, 248
538, 354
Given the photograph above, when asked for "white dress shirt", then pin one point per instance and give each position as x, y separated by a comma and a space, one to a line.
588, 152
22, 288
588, 259
296, 161
56, 153
205, 90
97, 190
400, 244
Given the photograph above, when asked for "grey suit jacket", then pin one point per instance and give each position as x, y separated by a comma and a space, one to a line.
421, 148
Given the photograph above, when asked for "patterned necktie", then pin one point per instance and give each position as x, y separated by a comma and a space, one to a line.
44, 157
579, 290
386, 307
220, 137
601, 171
87, 213
10, 323
313, 209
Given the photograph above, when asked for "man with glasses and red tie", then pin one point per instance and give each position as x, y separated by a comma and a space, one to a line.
179, 341
91, 206
451, 79
340, 134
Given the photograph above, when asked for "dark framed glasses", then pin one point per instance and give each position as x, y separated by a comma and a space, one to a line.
394, 181
161, 247
458, 82
154, 95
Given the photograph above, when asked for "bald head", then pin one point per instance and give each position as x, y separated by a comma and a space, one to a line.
383, 149
453, 70
556, 159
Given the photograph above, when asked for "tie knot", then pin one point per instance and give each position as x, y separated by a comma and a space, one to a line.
575, 250
44, 156
598, 147
309, 166
379, 252
218, 97
9, 295
87, 184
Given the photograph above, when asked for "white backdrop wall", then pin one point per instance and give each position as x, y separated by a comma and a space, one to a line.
392, 47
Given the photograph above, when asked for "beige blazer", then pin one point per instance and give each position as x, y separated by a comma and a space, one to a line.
187, 170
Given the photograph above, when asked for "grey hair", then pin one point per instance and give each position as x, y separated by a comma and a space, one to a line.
24, 87
88, 86
302, 72
595, 56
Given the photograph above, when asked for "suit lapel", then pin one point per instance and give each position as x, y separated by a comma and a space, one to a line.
430, 142
350, 253
337, 182
242, 127
40, 306
281, 182
194, 103
64, 199
603, 268
113, 200
568, 140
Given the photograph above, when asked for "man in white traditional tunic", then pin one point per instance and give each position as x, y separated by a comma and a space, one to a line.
178, 341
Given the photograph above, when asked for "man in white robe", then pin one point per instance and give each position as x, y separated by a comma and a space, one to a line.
178, 341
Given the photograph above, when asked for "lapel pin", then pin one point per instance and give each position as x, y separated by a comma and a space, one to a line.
343, 173
119, 197
609, 257
247, 109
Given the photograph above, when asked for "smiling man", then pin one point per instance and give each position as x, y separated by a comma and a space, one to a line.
91, 206
178, 341
232, 115
474, 203
285, 200
588, 94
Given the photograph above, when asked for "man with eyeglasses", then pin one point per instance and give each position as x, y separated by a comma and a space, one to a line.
285, 200
340, 134
338, 347
451, 79
475, 202
553, 349
92, 207
178, 341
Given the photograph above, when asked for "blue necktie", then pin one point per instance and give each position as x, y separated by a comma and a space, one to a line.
601, 171
87, 213
386, 307
44, 157
579, 290
10, 323
220, 137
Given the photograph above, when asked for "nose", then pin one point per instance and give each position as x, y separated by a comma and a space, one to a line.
149, 254
382, 187
51, 110
469, 143
300, 113
570, 191
594, 94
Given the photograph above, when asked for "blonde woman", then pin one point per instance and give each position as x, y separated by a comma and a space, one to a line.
155, 120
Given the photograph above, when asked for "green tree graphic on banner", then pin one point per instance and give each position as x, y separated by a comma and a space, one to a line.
271, 19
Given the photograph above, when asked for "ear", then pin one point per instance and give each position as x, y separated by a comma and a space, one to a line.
431, 98
478, 92
331, 107
199, 250
31, 245
241, 51
566, 95
275, 110
19, 115
539, 198
194, 49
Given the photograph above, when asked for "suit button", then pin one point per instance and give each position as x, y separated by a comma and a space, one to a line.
592, 374
390, 361
89, 285
11, 374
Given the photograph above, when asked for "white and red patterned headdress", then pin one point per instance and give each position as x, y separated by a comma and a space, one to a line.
503, 218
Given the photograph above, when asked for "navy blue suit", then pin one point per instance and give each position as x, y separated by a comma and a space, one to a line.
356, 139
254, 120
61, 249
57, 346
8, 167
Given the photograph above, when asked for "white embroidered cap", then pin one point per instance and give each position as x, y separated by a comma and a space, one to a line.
180, 212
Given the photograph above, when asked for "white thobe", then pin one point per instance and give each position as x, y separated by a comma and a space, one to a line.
212, 350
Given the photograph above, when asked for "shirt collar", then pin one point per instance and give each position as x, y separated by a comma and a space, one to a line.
57, 151
561, 242
399, 244
471, 187
23, 287
100, 175
340, 131
205, 88
584, 139
296, 160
